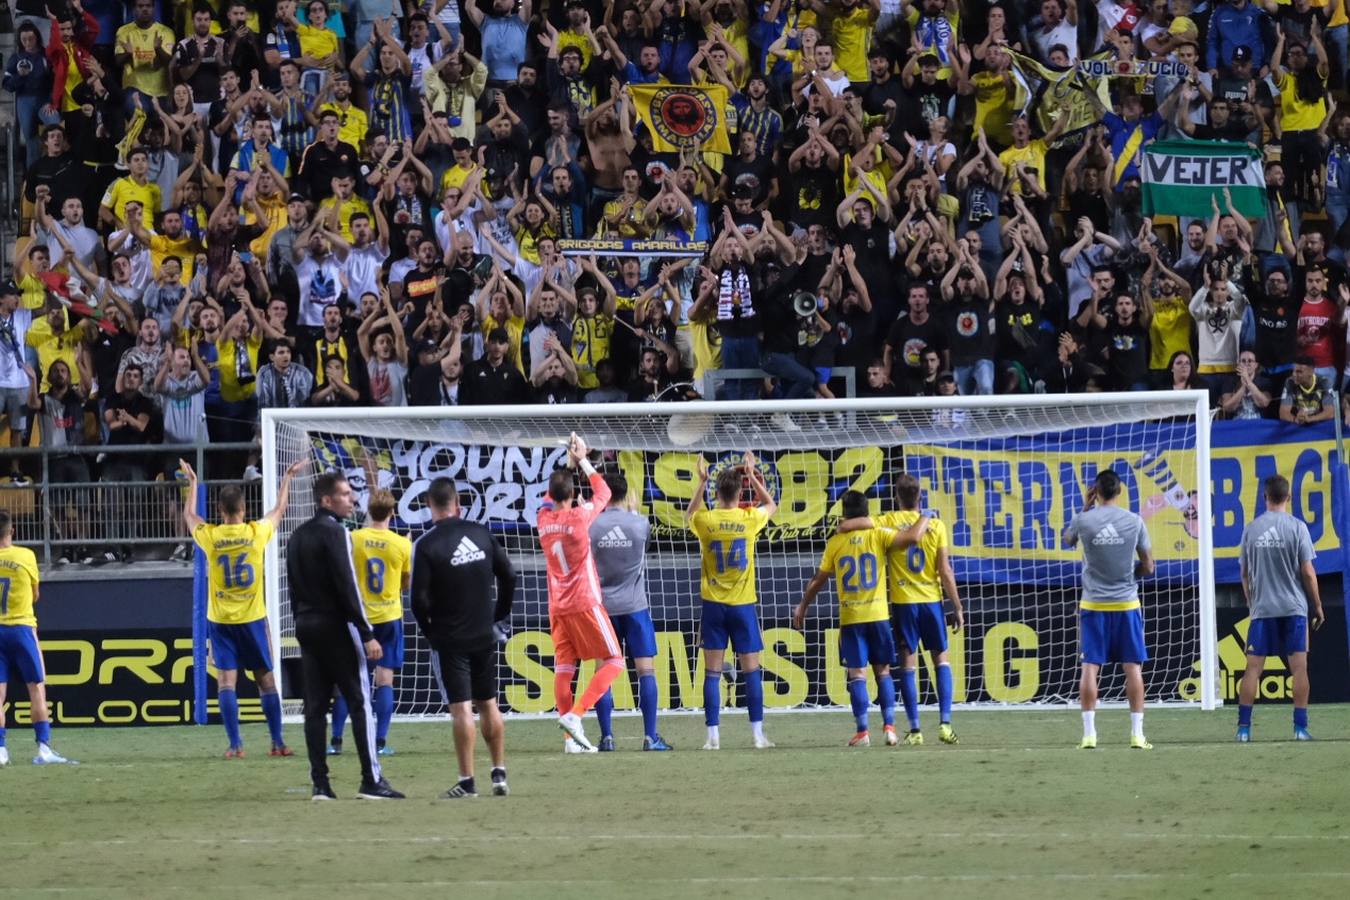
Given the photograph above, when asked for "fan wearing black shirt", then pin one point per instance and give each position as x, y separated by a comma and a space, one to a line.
1125, 352
909, 335
813, 182
1018, 316
493, 379
926, 97
968, 308
750, 169
455, 565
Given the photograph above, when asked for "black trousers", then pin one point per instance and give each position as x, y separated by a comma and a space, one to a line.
331, 655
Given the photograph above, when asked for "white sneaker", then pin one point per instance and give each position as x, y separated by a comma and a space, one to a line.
571, 746
712, 743
783, 422
4, 757
46, 756
571, 723
251, 473
763, 743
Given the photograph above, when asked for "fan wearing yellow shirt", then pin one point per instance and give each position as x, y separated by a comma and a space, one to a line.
236, 611
851, 29
20, 653
858, 562
135, 186
144, 47
171, 241
919, 575
726, 536
383, 563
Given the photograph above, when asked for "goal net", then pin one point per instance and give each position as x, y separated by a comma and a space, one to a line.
1005, 474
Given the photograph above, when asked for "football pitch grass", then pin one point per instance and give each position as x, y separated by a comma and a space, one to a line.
1014, 811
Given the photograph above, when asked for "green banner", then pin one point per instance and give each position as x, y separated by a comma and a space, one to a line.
1186, 178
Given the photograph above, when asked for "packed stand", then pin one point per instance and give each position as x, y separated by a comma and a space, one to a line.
242, 206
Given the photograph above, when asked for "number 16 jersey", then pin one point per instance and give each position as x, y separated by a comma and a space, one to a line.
234, 570
914, 570
728, 540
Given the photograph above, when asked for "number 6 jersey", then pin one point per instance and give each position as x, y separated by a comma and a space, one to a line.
914, 570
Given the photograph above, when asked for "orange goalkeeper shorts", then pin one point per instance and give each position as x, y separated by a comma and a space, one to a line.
584, 635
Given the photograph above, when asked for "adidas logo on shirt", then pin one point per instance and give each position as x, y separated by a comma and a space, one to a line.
467, 552
614, 538
1269, 539
1108, 536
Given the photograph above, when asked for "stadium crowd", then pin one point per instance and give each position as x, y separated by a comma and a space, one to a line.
240, 206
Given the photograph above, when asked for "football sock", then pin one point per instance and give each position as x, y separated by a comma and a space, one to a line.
757, 729
714, 733
712, 699
604, 713
647, 700
944, 691
229, 716
1300, 717
1244, 715
1136, 724
1089, 723
384, 711
2, 737
562, 688
271, 704
886, 698
42, 731
858, 699
339, 717
754, 694
604, 677
909, 693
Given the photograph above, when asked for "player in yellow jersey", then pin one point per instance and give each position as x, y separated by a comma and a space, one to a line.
727, 536
236, 611
857, 559
19, 641
919, 576
383, 563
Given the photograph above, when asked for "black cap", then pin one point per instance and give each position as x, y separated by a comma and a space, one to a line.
9, 288
297, 197
1242, 54
425, 346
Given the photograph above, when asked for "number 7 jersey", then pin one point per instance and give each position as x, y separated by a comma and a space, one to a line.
914, 570
728, 538
234, 570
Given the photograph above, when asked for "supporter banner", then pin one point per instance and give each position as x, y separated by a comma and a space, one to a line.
1004, 511
1115, 68
682, 116
1186, 178
1046, 93
631, 247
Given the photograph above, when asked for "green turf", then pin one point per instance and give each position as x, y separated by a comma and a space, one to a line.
1013, 811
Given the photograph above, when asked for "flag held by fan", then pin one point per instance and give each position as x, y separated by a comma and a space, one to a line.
1180, 178
682, 116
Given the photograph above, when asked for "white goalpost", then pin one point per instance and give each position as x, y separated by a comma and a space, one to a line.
1005, 473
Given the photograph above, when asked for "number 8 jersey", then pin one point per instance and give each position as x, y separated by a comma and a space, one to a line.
234, 570
382, 560
914, 570
728, 538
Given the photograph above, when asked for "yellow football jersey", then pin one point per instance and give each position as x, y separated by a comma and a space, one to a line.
383, 564
18, 579
857, 560
914, 570
728, 539
234, 570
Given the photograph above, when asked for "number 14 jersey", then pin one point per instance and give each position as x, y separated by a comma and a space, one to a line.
728, 539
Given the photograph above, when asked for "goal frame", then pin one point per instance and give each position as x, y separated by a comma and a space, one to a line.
272, 419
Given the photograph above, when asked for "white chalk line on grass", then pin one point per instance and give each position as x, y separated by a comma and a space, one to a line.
431, 840
964, 878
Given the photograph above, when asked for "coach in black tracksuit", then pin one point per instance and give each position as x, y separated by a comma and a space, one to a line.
454, 566
335, 638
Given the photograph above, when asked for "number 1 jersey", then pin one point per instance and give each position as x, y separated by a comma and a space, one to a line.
573, 585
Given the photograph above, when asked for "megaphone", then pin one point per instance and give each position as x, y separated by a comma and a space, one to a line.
804, 304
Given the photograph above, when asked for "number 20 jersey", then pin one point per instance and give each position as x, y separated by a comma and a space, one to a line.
914, 570
858, 560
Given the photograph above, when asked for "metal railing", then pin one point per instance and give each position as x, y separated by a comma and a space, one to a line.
87, 502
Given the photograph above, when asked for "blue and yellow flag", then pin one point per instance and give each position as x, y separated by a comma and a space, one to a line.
1046, 93
683, 116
